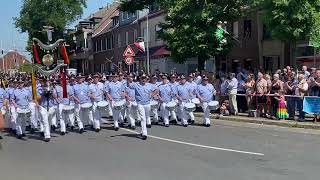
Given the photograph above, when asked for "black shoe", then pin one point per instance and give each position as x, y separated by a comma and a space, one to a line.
97, 130
192, 122
133, 127
62, 133
72, 128
81, 130
13, 131
46, 139
125, 120
121, 125
166, 125
1, 137
148, 125
144, 137
19, 136
207, 125
156, 123
53, 128
23, 135
174, 122
42, 134
28, 127
91, 126
116, 128
185, 125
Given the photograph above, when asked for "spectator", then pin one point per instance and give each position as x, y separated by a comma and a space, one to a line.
305, 72
224, 89
242, 105
276, 87
232, 90
249, 86
217, 86
261, 91
300, 90
289, 89
269, 87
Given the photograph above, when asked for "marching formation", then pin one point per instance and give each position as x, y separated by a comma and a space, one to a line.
122, 97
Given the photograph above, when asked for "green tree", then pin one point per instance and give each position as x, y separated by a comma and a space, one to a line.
35, 14
191, 27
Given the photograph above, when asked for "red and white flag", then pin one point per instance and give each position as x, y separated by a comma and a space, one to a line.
140, 46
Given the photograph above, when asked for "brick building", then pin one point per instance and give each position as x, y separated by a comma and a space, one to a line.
12, 60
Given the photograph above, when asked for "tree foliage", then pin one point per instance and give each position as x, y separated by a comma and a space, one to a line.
35, 14
291, 20
191, 25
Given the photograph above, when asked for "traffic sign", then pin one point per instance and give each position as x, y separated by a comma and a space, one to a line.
129, 60
129, 52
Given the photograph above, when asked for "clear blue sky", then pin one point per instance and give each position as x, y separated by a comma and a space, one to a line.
11, 37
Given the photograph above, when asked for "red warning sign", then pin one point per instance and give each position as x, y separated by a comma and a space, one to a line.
129, 52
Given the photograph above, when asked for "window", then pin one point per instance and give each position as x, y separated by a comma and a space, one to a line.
112, 42
96, 46
135, 35
158, 29
86, 64
235, 29
99, 45
247, 29
104, 44
127, 38
109, 43
102, 68
119, 40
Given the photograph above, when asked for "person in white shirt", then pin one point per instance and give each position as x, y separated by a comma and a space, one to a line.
232, 91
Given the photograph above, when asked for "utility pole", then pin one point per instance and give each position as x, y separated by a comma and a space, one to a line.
2, 51
147, 46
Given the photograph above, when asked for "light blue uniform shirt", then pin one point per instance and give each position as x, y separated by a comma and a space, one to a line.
174, 87
155, 87
81, 92
22, 98
115, 89
184, 92
206, 92
131, 92
2, 96
192, 86
58, 89
164, 91
143, 92
97, 91
9, 94
70, 91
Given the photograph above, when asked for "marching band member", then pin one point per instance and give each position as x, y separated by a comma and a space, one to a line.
106, 83
34, 111
46, 108
115, 93
81, 97
183, 96
205, 92
70, 118
131, 99
21, 99
166, 94
154, 112
193, 87
143, 94
12, 115
58, 107
173, 83
3, 106
123, 111
96, 95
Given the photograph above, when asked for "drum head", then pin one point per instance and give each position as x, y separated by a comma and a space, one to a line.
86, 105
190, 105
102, 104
195, 101
171, 104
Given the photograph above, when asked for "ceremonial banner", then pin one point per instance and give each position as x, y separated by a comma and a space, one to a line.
34, 85
311, 105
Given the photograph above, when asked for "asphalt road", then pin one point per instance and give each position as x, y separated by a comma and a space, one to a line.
231, 151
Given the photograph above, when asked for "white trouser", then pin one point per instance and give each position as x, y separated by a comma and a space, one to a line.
34, 115
59, 108
77, 115
144, 113
109, 109
12, 117
116, 115
183, 113
154, 114
206, 113
96, 116
22, 119
191, 116
45, 115
86, 116
165, 113
131, 113
69, 117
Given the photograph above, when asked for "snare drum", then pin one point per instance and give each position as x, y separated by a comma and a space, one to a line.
102, 105
170, 106
213, 105
154, 104
68, 109
86, 106
195, 101
119, 105
24, 112
190, 107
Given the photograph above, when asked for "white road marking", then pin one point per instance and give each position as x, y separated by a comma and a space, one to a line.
198, 145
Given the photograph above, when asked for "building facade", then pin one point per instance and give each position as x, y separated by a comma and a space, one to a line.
12, 60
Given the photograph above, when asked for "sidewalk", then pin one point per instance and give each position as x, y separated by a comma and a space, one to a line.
242, 117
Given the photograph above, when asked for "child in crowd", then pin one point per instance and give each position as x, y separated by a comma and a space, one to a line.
282, 112
224, 109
